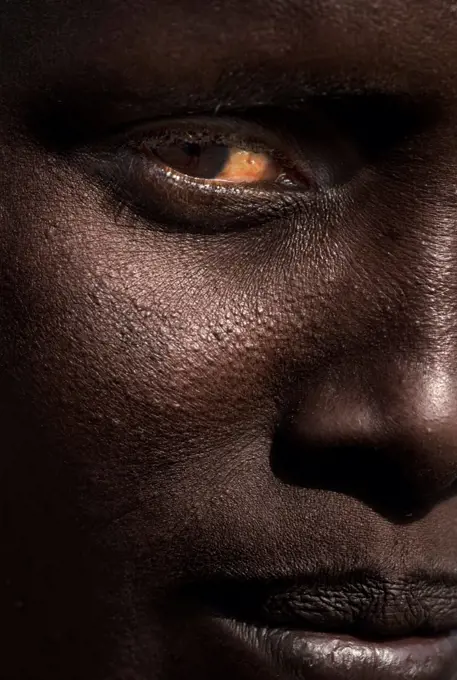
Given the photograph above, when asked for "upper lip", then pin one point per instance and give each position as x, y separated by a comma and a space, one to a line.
359, 604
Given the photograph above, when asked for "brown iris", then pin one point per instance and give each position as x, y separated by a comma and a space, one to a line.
219, 163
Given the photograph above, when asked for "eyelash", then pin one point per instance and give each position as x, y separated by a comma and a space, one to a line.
177, 202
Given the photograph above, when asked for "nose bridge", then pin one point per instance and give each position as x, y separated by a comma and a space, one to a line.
428, 352
433, 287
413, 379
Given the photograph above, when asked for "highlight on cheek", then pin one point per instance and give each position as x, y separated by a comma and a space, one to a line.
219, 163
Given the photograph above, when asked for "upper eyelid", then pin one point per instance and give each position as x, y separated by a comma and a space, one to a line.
233, 131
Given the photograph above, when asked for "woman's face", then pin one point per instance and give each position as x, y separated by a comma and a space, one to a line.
228, 346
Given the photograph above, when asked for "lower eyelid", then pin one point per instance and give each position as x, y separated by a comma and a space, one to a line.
221, 188
157, 169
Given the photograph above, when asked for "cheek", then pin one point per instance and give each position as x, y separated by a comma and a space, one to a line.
162, 346
143, 341
128, 330
148, 333
144, 372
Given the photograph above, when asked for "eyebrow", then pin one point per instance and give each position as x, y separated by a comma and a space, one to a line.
133, 63
104, 105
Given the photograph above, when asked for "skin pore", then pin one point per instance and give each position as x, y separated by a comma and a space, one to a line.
203, 382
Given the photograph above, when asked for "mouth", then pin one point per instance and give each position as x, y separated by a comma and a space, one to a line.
359, 627
325, 656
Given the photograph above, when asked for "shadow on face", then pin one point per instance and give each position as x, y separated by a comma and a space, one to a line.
228, 340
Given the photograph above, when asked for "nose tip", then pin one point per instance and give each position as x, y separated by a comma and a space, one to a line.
389, 440
420, 419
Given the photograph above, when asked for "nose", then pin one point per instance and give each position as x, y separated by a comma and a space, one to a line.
378, 419
386, 434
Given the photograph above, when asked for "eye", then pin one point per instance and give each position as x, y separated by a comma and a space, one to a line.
208, 174
219, 162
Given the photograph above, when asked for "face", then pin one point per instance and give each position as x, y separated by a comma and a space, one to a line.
228, 350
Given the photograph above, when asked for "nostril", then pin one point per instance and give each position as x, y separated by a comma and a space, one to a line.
385, 437
387, 476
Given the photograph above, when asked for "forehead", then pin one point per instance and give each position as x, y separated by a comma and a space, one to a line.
387, 43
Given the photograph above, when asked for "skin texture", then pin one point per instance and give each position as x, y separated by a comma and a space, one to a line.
179, 407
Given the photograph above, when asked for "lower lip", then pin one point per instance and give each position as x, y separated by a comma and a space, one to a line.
322, 656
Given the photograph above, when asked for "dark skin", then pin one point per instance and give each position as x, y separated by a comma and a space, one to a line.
186, 399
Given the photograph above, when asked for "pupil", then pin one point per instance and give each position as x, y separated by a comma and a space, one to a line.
192, 151
212, 161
